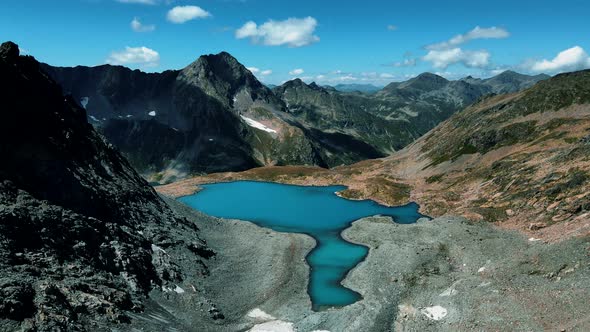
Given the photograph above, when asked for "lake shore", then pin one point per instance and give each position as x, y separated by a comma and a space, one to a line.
447, 274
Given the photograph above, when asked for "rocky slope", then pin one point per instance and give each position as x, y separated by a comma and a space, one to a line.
520, 160
83, 238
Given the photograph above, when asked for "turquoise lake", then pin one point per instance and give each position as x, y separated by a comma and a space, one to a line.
316, 211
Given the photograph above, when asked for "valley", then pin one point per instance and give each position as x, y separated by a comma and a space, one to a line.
519, 160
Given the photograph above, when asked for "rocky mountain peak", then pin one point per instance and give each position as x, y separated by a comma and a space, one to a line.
9, 51
425, 82
222, 65
221, 76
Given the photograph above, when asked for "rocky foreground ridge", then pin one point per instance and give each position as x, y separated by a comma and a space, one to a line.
83, 238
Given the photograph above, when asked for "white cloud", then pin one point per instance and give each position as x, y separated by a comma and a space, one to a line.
443, 58
572, 59
143, 56
386, 75
182, 14
476, 33
258, 71
253, 70
293, 32
392, 27
137, 26
297, 71
143, 2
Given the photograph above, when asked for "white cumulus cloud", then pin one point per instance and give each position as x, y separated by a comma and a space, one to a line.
258, 71
182, 14
297, 71
293, 32
137, 26
444, 58
142, 56
476, 33
572, 59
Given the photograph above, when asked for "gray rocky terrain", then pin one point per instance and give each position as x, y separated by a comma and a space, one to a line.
447, 274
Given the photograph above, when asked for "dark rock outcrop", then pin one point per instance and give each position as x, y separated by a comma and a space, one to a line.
81, 233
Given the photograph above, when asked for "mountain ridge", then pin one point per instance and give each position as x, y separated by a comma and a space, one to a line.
209, 114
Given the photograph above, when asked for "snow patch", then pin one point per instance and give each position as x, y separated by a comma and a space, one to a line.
178, 290
129, 115
84, 101
257, 125
93, 118
152, 113
435, 313
259, 314
273, 326
534, 239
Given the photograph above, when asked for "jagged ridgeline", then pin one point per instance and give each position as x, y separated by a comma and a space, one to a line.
82, 235
214, 115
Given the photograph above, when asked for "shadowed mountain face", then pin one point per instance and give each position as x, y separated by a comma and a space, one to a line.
214, 115
78, 226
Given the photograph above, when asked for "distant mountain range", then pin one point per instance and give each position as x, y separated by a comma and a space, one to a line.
214, 115
366, 88
519, 159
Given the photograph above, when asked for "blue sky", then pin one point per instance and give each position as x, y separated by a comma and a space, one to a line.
319, 40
